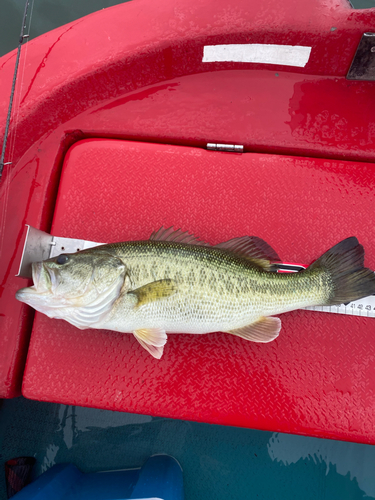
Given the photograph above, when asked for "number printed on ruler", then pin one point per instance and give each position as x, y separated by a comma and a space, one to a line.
362, 307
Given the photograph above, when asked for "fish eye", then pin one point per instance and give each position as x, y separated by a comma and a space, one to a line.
62, 259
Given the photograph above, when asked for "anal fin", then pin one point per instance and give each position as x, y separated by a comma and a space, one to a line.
264, 330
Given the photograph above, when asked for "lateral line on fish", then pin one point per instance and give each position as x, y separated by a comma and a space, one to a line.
52, 246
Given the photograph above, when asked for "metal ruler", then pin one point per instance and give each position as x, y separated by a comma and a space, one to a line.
41, 246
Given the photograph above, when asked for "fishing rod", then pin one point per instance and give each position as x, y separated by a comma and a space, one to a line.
20, 42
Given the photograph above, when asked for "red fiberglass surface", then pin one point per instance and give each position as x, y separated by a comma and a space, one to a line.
316, 378
136, 72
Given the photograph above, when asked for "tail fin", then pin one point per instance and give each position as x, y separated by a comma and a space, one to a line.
344, 265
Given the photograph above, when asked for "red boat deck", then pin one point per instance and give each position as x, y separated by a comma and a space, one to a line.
316, 378
137, 73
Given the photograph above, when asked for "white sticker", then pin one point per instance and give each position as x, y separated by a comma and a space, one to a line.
285, 55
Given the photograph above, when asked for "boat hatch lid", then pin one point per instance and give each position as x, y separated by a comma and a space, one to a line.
317, 378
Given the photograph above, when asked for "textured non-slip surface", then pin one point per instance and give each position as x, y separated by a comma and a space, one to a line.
317, 378
218, 463
137, 71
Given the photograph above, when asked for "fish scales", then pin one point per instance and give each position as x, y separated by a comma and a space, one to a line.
214, 288
177, 284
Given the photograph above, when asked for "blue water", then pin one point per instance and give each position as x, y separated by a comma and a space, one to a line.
218, 462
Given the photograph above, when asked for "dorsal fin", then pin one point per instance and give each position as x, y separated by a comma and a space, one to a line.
178, 236
252, 248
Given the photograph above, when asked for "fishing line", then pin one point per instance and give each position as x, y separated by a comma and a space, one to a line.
21, 39
13, 140
19, 94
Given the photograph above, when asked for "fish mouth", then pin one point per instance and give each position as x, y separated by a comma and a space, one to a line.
40, 295
25, 294
43, 282
45, 279
36, 273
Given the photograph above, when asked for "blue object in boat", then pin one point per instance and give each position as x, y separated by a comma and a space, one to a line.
159, 478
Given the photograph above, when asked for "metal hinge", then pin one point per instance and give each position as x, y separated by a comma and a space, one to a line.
234, 148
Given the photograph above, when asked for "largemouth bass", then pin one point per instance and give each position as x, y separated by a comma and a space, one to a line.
175, 283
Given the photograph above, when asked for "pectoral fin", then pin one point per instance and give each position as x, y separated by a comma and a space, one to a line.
154, 291
264, 330
152, 339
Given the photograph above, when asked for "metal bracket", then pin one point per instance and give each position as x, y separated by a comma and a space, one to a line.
41, 246
233, 148
363, 64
